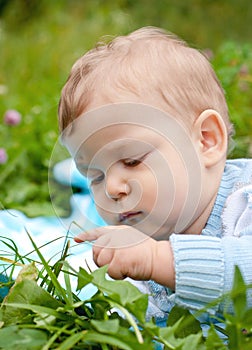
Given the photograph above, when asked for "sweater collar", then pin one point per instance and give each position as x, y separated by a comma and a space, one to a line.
214, 223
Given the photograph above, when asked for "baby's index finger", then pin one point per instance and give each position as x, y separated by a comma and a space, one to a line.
83, 237
79, 238
89, 236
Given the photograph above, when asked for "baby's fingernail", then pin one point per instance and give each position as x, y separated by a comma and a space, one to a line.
78, 239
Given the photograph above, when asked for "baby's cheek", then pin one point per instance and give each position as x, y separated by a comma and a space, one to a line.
106, 215
150, 192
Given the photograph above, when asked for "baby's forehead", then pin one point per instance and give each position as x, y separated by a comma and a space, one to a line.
121, 120
119, 141
123, 133
113, 150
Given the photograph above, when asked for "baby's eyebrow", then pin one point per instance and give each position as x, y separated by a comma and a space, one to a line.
86, 169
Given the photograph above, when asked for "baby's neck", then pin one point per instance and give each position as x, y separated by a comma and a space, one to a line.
197, 226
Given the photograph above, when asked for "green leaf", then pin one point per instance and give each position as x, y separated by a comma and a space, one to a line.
95, 338
166, 336
247, 319
71, 341
50, 273
25, 292
213, 341
84, 278
106, 326
192, 342
188, 323
233, 340
28, 272
125, 341
15, 338
123, 292
138, 307
238, 294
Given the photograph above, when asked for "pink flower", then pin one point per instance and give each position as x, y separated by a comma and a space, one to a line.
208, 53
244, 70
12, 117
3, 156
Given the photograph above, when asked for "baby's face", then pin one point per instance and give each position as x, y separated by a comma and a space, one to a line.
139, 176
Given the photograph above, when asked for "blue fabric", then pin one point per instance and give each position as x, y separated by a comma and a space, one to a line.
14, 226
4, 281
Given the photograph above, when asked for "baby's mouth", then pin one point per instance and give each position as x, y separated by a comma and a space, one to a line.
130, 215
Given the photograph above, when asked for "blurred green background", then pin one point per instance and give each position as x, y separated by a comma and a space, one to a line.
41, 39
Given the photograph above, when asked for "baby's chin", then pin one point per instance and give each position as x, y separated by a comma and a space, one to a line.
147, 227
157, 233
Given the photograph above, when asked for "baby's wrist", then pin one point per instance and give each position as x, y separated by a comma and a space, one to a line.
163, 271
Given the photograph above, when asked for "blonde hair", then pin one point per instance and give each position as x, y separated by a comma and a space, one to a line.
148, 61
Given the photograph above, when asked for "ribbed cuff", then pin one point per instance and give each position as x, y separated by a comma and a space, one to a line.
199, 268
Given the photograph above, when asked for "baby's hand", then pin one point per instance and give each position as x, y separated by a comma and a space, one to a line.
127, 251
130, 253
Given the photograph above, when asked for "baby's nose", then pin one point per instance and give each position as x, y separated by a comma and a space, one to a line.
116, 186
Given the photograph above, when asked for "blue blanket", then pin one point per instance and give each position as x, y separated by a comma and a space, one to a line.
14, 226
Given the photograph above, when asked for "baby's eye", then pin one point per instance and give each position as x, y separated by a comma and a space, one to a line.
132, 162
96, 180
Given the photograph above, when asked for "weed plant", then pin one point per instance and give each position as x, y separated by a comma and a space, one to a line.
40, 312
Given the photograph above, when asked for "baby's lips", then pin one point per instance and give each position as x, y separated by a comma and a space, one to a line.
124, 216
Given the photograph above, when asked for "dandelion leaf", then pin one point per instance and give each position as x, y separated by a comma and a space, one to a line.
15, 338
25, 292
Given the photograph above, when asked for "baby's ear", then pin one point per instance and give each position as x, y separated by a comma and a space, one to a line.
210, 134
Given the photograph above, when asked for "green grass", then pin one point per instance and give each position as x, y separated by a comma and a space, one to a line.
39, 44
40, 312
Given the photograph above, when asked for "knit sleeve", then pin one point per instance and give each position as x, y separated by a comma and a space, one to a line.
204, 265
199, 268
204, 268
